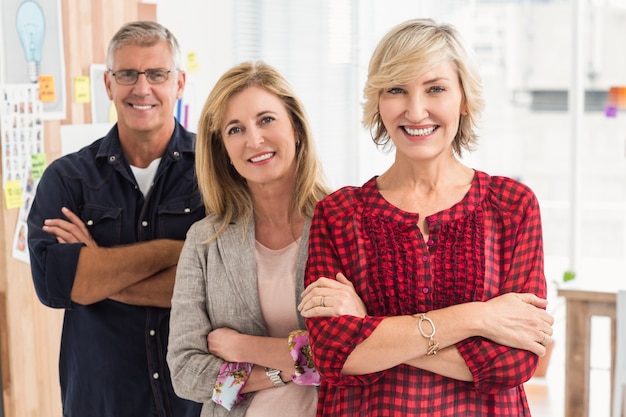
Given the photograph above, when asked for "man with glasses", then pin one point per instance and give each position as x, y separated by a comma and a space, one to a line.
105, 232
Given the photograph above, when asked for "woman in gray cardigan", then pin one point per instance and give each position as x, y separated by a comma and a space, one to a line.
237, 342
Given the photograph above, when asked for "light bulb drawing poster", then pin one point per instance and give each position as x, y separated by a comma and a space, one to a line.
32, 50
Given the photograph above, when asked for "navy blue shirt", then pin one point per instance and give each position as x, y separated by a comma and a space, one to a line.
112, 360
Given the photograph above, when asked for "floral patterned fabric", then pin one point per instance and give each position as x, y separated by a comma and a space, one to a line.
231, 380
234, 375
300, 351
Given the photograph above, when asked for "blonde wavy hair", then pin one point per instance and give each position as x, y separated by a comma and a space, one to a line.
225, 193
409, 50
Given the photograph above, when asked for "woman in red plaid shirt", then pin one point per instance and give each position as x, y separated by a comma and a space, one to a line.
447, 259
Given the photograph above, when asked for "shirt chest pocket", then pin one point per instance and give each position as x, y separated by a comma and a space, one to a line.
104, 224
177, 215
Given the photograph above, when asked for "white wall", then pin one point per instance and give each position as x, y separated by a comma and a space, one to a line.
204, 27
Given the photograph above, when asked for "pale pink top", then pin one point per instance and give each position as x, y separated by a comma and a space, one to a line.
276, 276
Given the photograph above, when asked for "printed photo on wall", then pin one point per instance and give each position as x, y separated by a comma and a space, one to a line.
21, 126
32, 50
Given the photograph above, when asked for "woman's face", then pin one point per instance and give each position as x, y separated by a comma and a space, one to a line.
422, 117
259, 137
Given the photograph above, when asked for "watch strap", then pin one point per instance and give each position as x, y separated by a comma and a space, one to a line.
274, 376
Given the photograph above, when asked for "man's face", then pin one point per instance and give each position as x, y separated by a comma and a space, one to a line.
143, 108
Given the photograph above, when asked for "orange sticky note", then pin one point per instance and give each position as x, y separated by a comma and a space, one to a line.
621, 97
617, 97
47, 92
81, 90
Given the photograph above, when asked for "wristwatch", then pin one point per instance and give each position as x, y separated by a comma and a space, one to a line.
274, 376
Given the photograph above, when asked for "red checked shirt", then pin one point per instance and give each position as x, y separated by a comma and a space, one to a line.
487, 244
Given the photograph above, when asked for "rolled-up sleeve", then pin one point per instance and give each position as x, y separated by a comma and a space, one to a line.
53, 265
333, 340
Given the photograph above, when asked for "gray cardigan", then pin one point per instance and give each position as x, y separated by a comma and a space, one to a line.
216, 286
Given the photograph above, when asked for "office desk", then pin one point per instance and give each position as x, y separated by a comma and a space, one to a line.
581, 305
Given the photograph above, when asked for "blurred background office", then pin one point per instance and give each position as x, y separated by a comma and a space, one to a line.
547, 67
527, 50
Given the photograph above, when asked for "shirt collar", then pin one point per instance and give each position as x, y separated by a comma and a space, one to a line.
180, 143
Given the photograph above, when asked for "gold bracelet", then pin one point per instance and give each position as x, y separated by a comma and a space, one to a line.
433, 346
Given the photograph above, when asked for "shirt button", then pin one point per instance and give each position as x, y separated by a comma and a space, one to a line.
176, 154
425, 258
89, 222
155, 375
430, 242
187, 210
425, 290
144, 223
112, 158
152, 332
432, 219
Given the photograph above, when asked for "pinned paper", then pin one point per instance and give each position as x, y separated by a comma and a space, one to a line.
13, 194
38, 164
617, 101
112, 113
192, 62
47, 92
82, 90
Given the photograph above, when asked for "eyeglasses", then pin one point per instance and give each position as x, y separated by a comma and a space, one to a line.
153, 75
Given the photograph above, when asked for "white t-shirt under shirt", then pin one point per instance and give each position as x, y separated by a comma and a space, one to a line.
145, 176
276, 278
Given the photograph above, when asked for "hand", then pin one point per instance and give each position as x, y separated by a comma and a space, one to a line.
223, 342
72, 231
328, 297
519, 321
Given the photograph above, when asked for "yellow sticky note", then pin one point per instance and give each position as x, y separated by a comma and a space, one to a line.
192, 62
81, 90
38, 163
13, 194
47, 92
112, 113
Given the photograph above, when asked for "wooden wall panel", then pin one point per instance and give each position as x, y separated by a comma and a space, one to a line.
30, 332
78, 34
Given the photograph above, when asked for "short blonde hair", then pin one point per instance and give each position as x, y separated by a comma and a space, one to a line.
224, 191
409, 50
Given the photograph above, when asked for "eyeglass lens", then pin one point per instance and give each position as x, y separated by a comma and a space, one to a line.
153, 75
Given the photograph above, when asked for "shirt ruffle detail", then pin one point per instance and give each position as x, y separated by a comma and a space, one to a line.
459, 263
394, 278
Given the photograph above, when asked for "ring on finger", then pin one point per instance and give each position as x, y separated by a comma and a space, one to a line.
322, 301
544, 340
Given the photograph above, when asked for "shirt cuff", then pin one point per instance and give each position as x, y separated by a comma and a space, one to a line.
300, 351
232, 378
